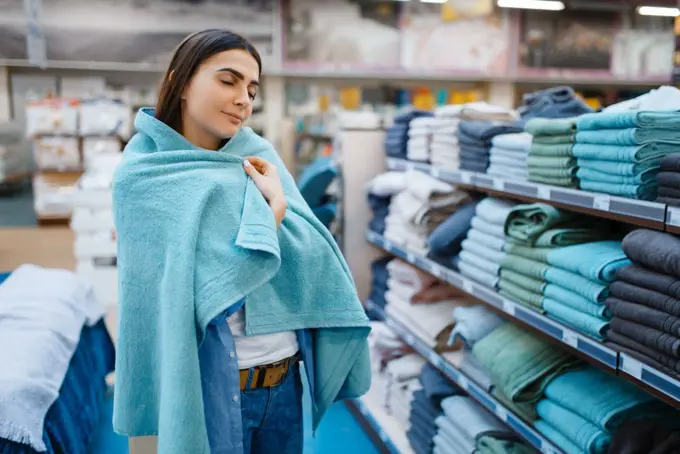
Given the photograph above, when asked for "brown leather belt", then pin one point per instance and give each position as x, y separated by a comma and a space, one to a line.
267, 375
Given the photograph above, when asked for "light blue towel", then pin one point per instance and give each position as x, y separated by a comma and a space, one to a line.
645, 176
620, 153
42, 313
646, 191
520, 141
603, 399
619, 168
474, 247
594, 327
557, 438
473, 323
590, 290
626, 137
582, 433
575, 301
598, 260
628, 119
196, 236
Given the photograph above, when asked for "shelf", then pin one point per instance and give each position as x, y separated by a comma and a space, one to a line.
385, 431
478, 393
657, 383
638, 212
673, 220
585, 347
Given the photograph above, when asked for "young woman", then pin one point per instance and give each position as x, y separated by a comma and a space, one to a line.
207, 97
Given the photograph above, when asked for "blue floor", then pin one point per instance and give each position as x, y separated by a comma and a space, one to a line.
339, 433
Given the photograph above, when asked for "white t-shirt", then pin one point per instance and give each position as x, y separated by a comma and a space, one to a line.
259, 350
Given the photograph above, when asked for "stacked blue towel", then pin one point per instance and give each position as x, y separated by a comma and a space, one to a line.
397, 134
508, 156
555, 102
584, 407
380, 275
619, 153
578, 282
445, 241
474, 139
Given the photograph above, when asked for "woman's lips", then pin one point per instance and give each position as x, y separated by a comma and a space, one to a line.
235, 119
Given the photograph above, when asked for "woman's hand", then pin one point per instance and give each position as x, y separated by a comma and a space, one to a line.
266, 178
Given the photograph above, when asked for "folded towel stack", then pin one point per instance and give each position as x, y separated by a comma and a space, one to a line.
465, 427
584, 407
380, 191
551, 160
426, 408
508, 156
380, 275
446, 240
482, 250
619, 153
474, 139
521, 365
645, 301
397, 134
420, 132
413, 300
415, 212
444, 149
555, 102
668, 180
399, 381
534, 233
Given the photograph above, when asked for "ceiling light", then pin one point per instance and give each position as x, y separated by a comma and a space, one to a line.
433, 1
547, 5
658, 11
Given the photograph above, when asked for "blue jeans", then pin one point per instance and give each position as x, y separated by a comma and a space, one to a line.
272, 417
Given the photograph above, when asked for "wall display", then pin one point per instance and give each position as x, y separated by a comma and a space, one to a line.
482, 44
338, 34
132, 31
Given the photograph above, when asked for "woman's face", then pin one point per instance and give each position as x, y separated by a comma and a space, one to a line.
219, 98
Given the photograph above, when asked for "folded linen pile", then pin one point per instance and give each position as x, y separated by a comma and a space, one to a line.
508, 156
551, 160
444, 149
420, 132
584, 407
415, 212
645, 301
482, 250
380, 191
474, 139
426, 407
668, 180
521, 365
397, 135
465, 427
619, 153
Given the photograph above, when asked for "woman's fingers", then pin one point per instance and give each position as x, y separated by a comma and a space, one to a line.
251, 170
260, 164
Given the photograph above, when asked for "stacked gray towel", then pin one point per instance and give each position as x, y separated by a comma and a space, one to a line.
508, 156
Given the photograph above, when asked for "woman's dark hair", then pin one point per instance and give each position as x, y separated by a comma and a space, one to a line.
188, 56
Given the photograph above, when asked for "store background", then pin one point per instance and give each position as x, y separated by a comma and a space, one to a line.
322, 59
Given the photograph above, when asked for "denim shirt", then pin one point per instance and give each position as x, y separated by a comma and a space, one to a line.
220, 382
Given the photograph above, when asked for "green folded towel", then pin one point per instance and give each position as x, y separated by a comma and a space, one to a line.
539, 149
520, 364
553, 172
525, 410
551, 161
569, 236
553, 140
565, 182
540, 254
524, 266
527, 298
527, 222
496, 444
521, 280
551, 126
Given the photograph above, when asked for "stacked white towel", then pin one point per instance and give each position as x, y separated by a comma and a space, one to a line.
419, 137
444, 150
508, 156
400, 381
483, 248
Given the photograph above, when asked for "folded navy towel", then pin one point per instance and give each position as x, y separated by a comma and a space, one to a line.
486, 130
657, 251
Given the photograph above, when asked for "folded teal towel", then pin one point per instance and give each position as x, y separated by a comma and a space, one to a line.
628, 119
597, 261
195, 236
557, 438
575, 301
619, 168
632, 136
594, 327
603, 399
589, 289
526, 222
620, 153
646, 191
550, 126
539, 254
646, 176
581, 432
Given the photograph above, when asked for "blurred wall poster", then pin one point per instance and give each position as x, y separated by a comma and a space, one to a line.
133, 31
